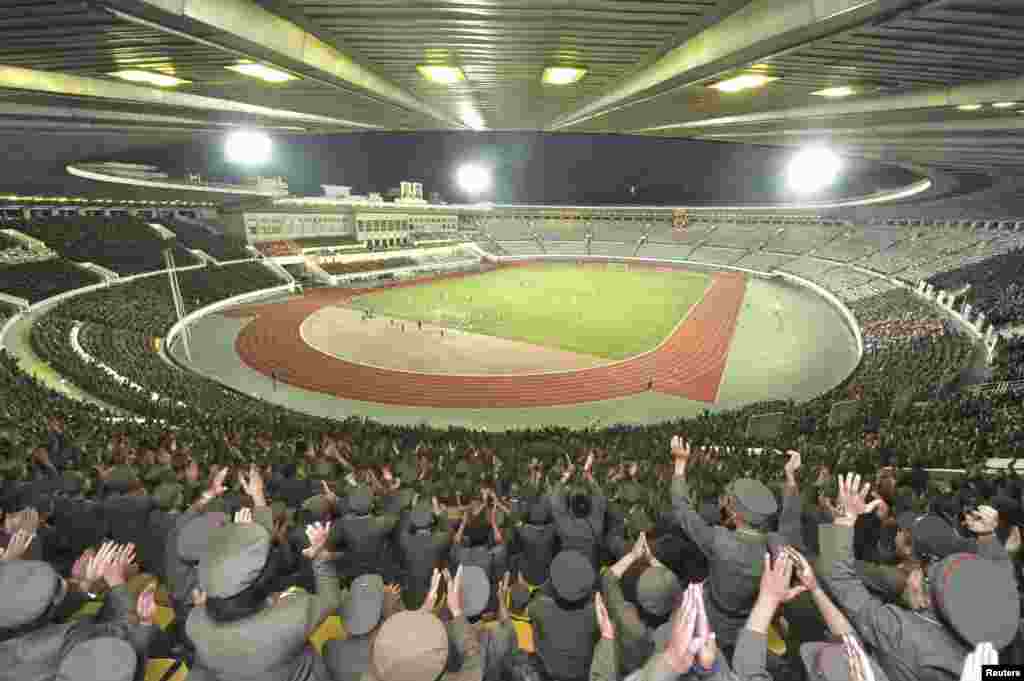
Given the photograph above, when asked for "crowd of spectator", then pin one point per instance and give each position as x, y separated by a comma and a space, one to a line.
994, 286
365, 265
1009, 360
14, 251
278, 249
35, 281
230, 534
126, 245
199, 237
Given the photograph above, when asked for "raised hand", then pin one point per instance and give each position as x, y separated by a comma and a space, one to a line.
454, 595
853, 499
17, 546
679, 651
435, 584
145, 606
776, 578
504, 594
253, 485
318, 534
216, 487
982, 521
793, 464
243, 516
328, 492
192, 472
99, 561
79, 568
804, 571
604, 622
860, 665
705, 646
116, 569
680, 448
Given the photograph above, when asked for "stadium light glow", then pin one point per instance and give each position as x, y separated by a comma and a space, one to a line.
471, 117
248, 147
1004, 105
562, 75
264, 73
813, 169
473, 179
969, 107
744, 82
444, 75
834, 92
158, 79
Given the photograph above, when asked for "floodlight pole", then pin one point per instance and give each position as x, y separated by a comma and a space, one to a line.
179, 303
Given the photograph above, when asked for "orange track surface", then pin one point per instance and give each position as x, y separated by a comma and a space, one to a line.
689, 364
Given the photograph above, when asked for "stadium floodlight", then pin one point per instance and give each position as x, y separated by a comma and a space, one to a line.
562, 75
248, 147
744, 82
149, 78
813, 169
444, 75
835, 92
969, 107
473, 179
1004, 105
261, 71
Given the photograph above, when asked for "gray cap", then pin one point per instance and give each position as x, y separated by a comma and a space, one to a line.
99, 659
753, 499
934, 538
234, 560
907, 519
476, 590
977, 597
827, 661
657, 590
572, 576
194, 538
363, 605
29, 587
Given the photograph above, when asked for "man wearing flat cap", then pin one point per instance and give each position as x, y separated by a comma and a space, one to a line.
658, 593
365, 536
414, 645
366, 605
579, 517
735, 557
534, 542
423, 543
955, 602
564, 620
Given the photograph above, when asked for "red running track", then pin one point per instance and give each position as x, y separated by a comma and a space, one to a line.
688, 364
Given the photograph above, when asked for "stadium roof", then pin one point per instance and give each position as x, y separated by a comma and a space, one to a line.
894, 80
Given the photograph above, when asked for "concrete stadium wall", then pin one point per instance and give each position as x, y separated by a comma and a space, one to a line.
196, 315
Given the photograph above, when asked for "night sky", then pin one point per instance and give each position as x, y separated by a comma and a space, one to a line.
531, 167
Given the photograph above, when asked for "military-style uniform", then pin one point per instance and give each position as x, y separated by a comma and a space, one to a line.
564, 619
422, 548
364, 536
534, 542
906, 642
271, 644
735, 559
579, 534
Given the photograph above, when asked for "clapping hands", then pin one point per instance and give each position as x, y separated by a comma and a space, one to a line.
17, 546
318, 534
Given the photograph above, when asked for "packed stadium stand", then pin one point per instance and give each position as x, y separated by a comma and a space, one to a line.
124, 245
36, 281
199, 236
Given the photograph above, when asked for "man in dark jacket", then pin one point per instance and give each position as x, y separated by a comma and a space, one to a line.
423, 542
363, 535
564, 620
579, 517
735, 557
535, 543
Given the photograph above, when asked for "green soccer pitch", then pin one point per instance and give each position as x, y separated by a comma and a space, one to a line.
610, 312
